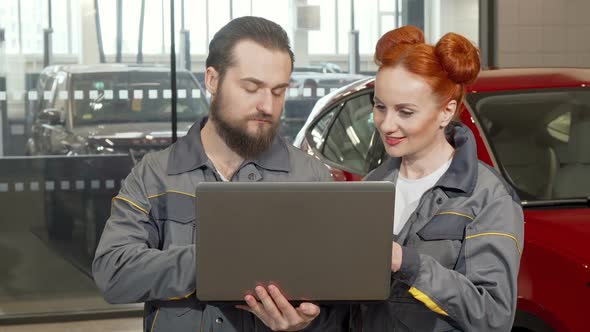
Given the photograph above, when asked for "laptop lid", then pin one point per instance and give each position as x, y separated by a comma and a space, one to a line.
318, 241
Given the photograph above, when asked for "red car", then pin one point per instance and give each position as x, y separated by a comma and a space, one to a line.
533, 127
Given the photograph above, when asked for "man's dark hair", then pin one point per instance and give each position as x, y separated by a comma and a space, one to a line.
257, 29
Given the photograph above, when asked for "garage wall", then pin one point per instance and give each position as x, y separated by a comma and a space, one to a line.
543, 33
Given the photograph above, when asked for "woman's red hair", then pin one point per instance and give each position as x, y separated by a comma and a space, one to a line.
448, 67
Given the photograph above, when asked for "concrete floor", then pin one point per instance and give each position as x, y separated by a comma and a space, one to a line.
113, 325
39, 279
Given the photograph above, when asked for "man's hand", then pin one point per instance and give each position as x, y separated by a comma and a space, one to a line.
275, 311
396, 257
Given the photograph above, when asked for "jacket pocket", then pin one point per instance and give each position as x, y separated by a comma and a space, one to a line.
175, 214
177, 319
442, 237
417, 317
402, 316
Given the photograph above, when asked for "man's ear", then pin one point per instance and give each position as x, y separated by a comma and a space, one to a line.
448, 113
211, 80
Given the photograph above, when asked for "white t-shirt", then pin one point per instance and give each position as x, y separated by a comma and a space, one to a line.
408, 193
223, 178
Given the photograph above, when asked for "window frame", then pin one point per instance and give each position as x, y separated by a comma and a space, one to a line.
470, 104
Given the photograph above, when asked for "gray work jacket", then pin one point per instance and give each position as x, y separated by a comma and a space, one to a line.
147, 250
461, 251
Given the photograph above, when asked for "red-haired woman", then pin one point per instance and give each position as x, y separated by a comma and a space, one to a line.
458, 228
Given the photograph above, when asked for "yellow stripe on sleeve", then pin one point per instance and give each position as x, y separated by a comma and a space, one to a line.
135, 205
181, 297
154, 322
497, 234
456, 214
418, 295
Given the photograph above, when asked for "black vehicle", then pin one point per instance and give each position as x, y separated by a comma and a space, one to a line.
110, 108
306, 88
100, 120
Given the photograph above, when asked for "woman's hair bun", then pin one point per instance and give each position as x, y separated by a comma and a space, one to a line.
397, 40
458, 57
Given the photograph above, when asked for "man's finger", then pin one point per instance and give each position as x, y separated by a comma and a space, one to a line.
283, 304
308, 310
256, 308
269, 305
244, 307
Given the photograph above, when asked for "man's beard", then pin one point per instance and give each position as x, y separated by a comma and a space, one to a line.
236, 136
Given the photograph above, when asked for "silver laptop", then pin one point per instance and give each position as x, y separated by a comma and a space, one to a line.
317, 241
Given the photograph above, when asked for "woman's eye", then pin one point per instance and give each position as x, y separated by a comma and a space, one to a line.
379, 107
406, 113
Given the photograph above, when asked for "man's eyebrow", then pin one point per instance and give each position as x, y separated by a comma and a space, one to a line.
261, 83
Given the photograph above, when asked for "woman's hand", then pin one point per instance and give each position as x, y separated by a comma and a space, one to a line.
396, 257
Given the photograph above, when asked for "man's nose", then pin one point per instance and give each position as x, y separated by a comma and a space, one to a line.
265, 101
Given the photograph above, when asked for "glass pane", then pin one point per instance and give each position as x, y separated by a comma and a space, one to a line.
199, 40
132, 14
367, 23
343, 26
540, 139
218, 15
560, 127
387, 5
108, 24
70, 134
242, 8
278, 11
322, 41
350, 137
387, 23
452, 16
306, 88
318, 131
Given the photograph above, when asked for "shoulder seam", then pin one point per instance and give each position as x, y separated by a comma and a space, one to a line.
508, 189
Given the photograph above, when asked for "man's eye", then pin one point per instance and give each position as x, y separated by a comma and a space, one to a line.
278, 92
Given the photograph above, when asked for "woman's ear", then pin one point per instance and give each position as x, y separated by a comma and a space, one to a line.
448, 113
211, 80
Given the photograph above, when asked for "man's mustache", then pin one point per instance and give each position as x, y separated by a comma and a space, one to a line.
261, 117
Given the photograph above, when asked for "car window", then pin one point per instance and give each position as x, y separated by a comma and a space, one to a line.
60, 100
295, 113
351, 136
45, 87
103, 107
318, 130
559, 128
539, 139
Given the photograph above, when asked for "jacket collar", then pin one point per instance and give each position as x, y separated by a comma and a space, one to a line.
461, 176
188, 154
